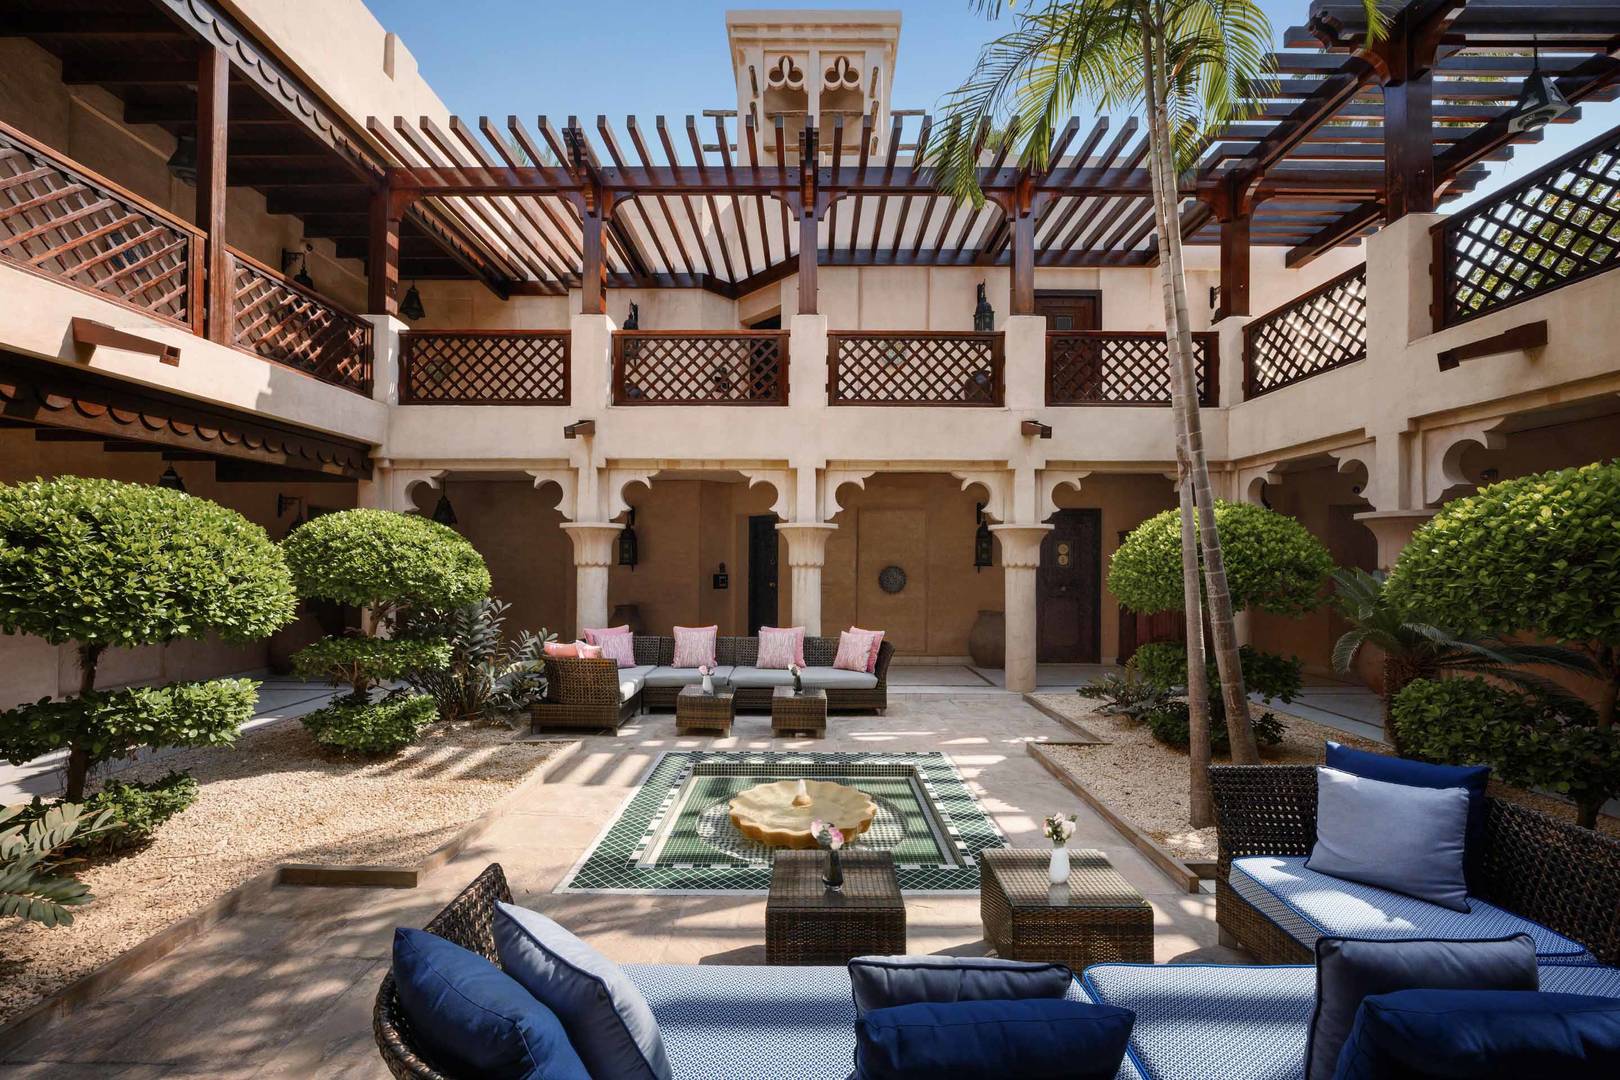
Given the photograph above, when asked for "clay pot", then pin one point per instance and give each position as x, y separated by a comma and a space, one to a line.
987, 641
627, 615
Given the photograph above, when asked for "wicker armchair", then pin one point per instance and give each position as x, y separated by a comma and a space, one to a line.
1548, 871
467, 921
582, 695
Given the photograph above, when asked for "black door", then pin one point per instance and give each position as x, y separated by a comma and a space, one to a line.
761, 572
1068, 601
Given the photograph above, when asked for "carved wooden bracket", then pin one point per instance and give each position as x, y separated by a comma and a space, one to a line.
87, 333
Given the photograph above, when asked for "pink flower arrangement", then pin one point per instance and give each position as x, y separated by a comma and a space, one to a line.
827, 833
705, 670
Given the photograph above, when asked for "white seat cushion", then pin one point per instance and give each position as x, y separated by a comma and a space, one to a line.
754, 676
632, 679
826, 678
684, 676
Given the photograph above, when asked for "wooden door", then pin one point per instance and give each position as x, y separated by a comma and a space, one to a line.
761, 572
1068, 601
1070, 309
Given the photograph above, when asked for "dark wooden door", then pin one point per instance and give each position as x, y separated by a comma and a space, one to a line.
1068, 602
761, 572
1070, 309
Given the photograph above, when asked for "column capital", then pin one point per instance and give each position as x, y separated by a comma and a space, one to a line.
1393, 530
807, 541
593, 541
1020, 544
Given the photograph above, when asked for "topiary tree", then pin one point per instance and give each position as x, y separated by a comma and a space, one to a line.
1539, 555
390, 563
103, 564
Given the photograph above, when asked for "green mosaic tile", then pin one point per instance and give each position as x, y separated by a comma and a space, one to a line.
927, 816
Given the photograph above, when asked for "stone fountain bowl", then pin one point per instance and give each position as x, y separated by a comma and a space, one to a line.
767, 812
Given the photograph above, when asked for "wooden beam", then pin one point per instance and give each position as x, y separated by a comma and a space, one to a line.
593, 282
808, 199
382, 255
1531, 335
88, 334
213, 112
1235, 251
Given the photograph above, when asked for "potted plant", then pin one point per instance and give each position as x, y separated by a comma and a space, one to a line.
1058, 828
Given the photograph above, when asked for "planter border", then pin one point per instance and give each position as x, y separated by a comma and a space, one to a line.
89, 987
1087, 736
1177, 870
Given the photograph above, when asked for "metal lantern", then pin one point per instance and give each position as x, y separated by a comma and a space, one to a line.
1540, 102
984, 551
632, 319
444, 513
183, 162
984, 316
628, 553
411, 307
171, 480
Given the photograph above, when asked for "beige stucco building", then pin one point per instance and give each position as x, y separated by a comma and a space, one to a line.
789, 419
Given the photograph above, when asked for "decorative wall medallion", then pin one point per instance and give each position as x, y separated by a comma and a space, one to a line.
891, 579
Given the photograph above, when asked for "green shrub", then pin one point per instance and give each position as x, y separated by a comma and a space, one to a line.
1529, 740
486, 676
1128, 695
363, 662
137, 810
1272, 562
382, 560
101, 564
371, 728
1273, 677
1169, 724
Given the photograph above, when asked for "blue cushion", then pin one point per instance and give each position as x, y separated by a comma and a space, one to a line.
469, 1017
1036, 1039
880, 982
1483, 1035
606, 1017
1397, 770
1349, 970
1406, 839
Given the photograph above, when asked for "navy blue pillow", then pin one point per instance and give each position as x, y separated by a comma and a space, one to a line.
471, 1018
881, 982
1397, 770
1035, 1039
1483, 1035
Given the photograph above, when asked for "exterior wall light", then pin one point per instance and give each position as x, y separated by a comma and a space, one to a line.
171, 480
411, 307
984, 316
984, 550
444, 513
290, 256
632, 318
628, 552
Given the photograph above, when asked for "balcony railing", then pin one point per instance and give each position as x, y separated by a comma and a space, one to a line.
692, 367
906, 367
282, 321
1123, 367
62, 221
1557, 226
1324, 329
483, 367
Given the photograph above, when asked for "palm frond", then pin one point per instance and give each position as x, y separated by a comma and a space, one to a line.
1346, 648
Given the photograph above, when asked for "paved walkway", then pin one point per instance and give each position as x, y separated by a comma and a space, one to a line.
285, 987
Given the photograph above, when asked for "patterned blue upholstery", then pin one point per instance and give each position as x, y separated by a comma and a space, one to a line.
1227, 1022
1306, 905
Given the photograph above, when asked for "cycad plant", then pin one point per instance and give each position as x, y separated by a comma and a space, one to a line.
1419, 650
33, 884
487, 676
1191, 66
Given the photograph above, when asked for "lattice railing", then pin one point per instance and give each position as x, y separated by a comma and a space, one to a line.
1123, 367
483, 367
1560, 225
65, 222
1324, 329
904, 367
696, 367
284, 322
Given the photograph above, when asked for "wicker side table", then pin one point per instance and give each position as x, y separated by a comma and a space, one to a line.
806, 924
798, 713
1096, 917
696, 711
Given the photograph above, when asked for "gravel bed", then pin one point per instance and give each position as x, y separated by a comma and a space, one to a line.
274, 798
1146, 781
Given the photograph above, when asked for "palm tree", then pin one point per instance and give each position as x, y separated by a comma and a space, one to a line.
1417, 650
1190, 66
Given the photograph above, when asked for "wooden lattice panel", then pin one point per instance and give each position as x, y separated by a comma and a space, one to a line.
1110, 367
293, 326
1322, 330
1558, 226
484, 367
67, 223
921, 368
744, 367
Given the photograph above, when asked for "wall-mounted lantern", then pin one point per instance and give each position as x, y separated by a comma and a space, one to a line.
984, 551
628, 552
443, 512
411, 307
171, 480
301, 257
984, 316
722, 580
632, 320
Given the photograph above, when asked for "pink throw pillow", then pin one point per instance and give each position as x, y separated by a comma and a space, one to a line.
595, 637
877, 643
780, 646
588, 652
854, 646
562, 650
619, 647
694, 646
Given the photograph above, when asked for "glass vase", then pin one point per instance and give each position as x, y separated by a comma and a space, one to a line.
833, 875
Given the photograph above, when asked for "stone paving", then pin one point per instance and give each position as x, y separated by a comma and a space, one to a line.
284, 988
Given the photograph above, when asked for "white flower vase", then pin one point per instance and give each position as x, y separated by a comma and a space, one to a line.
708, 684
1058, 869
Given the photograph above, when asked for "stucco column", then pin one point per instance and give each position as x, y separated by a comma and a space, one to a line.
1020, 558
1393, 529
385, 331
1024, 337
807, 554
593, 554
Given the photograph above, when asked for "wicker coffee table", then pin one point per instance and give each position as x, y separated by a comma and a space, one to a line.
806, 924
1096, 917
696, 711
804, 712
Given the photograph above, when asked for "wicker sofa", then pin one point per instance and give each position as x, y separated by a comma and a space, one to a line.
593, 695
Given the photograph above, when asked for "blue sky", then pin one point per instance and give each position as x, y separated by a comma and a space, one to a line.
619, 57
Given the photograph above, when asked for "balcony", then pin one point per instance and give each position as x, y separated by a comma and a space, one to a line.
484, 367
1323, 329
692, 367
907, 367
1124, 367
